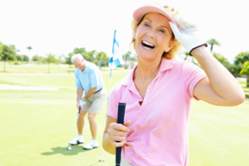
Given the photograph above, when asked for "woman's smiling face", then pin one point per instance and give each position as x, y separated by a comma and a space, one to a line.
153, 36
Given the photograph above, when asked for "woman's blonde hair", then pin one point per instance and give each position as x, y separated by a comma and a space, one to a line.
172, 12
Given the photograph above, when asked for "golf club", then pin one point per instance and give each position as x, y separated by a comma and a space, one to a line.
120, 120
81, 103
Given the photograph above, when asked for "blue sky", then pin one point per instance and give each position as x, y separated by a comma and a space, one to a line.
57, 27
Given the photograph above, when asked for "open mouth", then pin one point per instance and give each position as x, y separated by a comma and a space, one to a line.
148, 45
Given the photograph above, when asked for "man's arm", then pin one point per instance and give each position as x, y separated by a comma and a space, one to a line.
79, 96
90, 92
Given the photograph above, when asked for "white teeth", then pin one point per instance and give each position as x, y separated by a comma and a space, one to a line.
148, 43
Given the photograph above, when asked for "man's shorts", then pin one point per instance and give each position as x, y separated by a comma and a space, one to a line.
95, 102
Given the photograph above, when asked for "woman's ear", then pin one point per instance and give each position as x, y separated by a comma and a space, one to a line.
170, 45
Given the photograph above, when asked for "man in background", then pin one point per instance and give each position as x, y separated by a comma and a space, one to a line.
88, 79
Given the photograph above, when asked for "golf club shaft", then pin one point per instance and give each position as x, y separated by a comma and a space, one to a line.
120, 120
76, 120
76, 124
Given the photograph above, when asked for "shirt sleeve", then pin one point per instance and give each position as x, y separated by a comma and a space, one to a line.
192, 74
77, 80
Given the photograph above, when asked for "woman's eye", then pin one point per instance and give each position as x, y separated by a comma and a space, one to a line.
147, 25
161, 30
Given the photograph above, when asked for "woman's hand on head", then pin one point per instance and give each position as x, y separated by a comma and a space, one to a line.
117, 133
186, 34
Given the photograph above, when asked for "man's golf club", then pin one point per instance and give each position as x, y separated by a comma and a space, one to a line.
81, 103
121, 114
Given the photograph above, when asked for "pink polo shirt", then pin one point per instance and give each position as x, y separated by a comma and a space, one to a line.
158, 133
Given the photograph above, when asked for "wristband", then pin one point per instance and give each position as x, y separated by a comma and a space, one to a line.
205, 44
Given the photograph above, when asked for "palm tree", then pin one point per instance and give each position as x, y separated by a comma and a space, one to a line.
213, 42
29, 48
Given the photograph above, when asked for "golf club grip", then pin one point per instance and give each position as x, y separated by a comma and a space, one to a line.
79, 109
120, 120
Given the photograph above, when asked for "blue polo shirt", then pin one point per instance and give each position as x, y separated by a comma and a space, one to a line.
91, 77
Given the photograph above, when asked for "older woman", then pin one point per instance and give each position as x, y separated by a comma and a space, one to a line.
158, 91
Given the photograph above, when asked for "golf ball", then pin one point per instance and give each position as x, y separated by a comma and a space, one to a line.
69, 148
82, 102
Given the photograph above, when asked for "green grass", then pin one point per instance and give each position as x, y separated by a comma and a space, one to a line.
243, 84
37, 125
219, 135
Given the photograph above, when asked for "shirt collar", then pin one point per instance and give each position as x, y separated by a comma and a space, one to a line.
166, 64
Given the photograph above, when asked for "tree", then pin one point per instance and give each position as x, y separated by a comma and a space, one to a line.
223, 61
19, 58
36, 58
62, 58
126, 57
85, 55
245, 70
240, 59
101, 59
101, 55
29, 48
39, 59
50, 59
213, 42
91, 55
132, 61
23, 58
8, 53
79, 50
1, 50
68, 60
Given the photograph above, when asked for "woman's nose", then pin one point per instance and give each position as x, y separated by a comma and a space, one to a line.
150, 33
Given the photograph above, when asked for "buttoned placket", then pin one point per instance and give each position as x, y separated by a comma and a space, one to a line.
149, 87
134, 90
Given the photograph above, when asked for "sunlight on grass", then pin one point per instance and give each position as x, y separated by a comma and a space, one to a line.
37, 125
